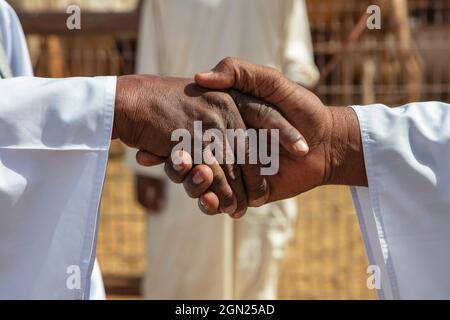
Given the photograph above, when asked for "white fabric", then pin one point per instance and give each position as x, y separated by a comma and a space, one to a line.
405, 212
192, 256
14, 42
39, 129
260, 241
97, 288
54, 140
183, 37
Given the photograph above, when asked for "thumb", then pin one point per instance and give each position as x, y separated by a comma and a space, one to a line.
213, 80
269, 85
221, 77
260, 81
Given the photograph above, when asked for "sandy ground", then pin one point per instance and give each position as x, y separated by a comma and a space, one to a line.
326, 260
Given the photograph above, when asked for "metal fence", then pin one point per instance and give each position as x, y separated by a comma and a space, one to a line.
406, 60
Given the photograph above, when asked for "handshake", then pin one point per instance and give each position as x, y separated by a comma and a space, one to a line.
249, 136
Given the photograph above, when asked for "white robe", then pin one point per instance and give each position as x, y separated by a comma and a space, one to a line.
54, 141
405, 212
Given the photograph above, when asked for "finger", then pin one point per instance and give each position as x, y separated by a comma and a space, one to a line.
265, 83
223, 184
234, 177
246, 152
224, 75
198, 181
256, 185
260, 81
148, 159
178, 165
233, 174
219, 78
239, 74
259, 115
209, 203
232, 171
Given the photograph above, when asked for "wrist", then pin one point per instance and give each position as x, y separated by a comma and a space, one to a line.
127, 102
346, 157
119, 107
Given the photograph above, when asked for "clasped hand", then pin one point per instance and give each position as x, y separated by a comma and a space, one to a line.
316, 142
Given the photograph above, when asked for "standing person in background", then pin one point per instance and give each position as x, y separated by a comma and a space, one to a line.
191, 256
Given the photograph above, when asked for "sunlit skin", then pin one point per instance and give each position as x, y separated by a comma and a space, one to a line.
332, 133
149, 109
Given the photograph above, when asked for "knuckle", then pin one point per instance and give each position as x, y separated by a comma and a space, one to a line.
190, 190
228, 65
239, 99
219, 100
236, 172
241, 202
213, 120
229, 62
273, 78
224, 192
175, 177
227, 197
218, 178
239, 69
264, 113
272, 72
257, 190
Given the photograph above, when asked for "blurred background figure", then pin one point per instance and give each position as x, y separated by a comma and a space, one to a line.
190, 255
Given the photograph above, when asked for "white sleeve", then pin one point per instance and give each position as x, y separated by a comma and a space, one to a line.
54, 141
405, 212
14, 42
298, 59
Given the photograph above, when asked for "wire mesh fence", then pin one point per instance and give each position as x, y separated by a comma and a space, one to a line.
407, 60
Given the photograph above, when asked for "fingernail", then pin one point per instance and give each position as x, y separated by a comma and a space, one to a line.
178, 167
301, 147
198, 178
203, 203
206, 74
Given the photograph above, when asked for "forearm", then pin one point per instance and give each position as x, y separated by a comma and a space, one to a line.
346, 157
